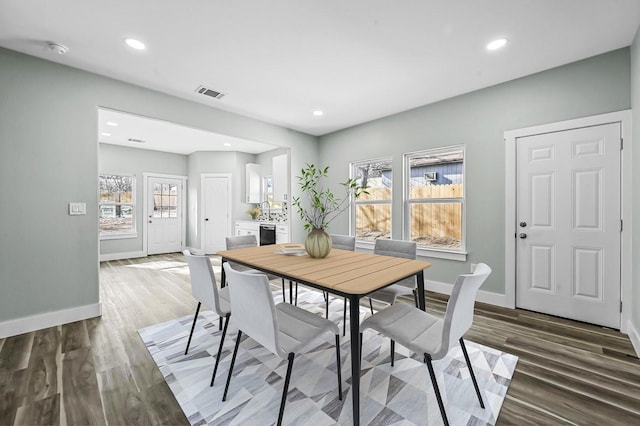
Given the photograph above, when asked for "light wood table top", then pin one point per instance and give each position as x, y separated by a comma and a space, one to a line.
342, 271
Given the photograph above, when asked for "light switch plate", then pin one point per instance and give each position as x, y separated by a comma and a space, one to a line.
77, 208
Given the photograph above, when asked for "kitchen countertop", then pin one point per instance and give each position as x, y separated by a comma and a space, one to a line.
262, 222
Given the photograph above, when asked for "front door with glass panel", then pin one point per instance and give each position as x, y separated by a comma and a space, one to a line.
164, 215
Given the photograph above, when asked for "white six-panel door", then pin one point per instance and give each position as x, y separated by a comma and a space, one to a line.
568, 212
216, 212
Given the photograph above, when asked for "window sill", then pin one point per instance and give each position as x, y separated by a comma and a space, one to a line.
119, 236
459, 256
423, 252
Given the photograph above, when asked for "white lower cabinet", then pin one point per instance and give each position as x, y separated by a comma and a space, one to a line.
248, 228
282, 234
244, 227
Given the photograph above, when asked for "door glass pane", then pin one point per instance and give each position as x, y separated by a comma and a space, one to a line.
173, 212
436, 224
165, 189
373, 221
157, 189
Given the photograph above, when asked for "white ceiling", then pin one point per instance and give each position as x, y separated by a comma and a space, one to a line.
357, 60
158, 135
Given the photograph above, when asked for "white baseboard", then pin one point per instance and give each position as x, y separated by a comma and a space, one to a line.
634, 336
119, 256
482, 296
49, 319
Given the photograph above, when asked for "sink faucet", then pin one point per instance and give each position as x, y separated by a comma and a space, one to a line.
268, 208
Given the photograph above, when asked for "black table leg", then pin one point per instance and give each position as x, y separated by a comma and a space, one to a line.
420, 280
354, 326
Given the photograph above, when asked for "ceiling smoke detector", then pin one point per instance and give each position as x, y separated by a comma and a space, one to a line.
58, 48
209, 92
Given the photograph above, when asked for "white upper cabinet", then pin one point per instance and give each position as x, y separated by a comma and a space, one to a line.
253, 183
280, 178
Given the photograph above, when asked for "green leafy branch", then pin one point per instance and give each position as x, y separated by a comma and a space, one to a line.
322, 206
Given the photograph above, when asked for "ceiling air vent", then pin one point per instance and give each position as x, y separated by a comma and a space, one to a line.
209, 92
136, 140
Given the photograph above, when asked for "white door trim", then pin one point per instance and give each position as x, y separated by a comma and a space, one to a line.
510, 136
145, 212
203, 176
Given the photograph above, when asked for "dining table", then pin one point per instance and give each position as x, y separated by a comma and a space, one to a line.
349, 274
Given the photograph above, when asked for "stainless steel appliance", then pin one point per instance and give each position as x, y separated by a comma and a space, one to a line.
267, 234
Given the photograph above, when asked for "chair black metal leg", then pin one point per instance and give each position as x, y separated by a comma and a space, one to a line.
193, 326
434, 382
415, 297
339, 367
224, 333
233, 361
360, 346
296, 294
284, 292
326, 305
344, 318
290, 292
473, 376
393, 351
371, 306
286, 388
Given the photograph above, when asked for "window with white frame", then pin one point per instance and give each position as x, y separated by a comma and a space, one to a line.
434, 199
371, 213
117, 205
267, 193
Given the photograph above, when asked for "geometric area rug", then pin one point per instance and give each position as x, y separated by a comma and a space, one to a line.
399, 395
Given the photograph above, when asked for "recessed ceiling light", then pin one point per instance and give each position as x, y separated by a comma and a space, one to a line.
497, 44
318, 113
105, 134
135, 44
111, 123
227, 144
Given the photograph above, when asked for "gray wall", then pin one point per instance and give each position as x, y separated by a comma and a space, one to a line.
116, 159
49, 157
635, 104
478, 120
215, 162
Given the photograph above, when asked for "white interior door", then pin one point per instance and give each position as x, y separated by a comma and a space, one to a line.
164, 211
569, 223
217, 212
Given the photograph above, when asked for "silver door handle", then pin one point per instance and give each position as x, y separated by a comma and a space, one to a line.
523, 235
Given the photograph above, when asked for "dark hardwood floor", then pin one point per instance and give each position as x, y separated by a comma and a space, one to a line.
98, 371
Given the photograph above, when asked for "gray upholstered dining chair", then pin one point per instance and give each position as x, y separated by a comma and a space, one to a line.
245, 241
283, 329
395, 248
205, 290
432, 336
